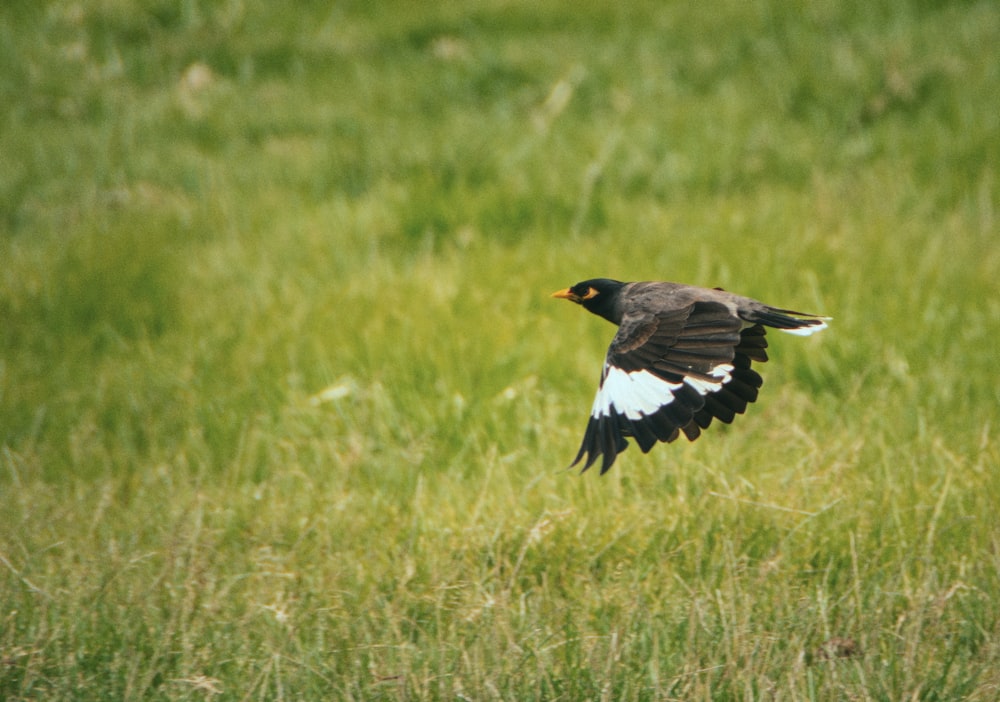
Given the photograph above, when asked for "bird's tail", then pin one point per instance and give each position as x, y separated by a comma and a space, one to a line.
790, 321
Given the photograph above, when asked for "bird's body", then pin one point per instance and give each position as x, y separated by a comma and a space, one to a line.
680, 359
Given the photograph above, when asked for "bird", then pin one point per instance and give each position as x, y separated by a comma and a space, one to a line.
681, 357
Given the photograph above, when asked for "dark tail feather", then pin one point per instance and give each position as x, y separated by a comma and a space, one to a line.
801, 324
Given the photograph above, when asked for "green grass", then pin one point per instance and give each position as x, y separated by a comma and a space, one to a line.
285, 408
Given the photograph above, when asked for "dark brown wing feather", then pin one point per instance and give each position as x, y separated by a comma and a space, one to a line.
683, 348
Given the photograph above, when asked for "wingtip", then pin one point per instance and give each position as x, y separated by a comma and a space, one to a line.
579, 457
606, 455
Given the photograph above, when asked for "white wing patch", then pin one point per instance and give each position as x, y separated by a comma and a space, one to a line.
632, 394
706, 387
640, 393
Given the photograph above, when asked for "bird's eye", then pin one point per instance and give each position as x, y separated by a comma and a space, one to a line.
584, 291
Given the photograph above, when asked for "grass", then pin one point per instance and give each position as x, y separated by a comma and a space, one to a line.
285, 407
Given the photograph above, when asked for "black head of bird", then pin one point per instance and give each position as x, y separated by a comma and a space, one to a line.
597, 295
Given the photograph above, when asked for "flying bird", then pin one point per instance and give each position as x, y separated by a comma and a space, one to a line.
680, 359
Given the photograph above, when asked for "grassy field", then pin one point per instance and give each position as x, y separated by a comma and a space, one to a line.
285, 408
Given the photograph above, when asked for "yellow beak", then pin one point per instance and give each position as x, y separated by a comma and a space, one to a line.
565, 294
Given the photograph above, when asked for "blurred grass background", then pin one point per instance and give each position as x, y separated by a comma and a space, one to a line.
285, 407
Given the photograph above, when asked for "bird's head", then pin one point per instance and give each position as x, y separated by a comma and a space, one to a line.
597, 295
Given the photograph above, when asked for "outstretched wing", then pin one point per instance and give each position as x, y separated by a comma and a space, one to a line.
669, 373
